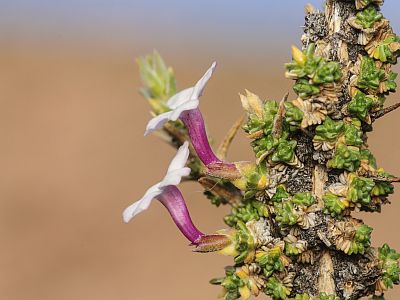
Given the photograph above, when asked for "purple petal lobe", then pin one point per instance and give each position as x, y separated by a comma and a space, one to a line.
173, 200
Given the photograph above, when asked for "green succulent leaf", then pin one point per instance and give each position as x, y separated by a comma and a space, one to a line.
370, 75
347, 158
285, 151
329, 130
388, 50
367, 17
293, 115
252, 210
361, 240
276, 289
305, 89
303, 199
366, 155
270, 261
353, 135
327, 72
389, 262
285, 213
360, 105
360, 190
334, 205
244, 242
280, 194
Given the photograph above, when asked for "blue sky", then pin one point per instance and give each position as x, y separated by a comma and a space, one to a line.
245, 30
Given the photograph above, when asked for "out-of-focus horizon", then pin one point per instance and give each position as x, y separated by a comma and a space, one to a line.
72, 151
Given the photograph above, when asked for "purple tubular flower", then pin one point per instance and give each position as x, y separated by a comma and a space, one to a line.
173, 201
194, 123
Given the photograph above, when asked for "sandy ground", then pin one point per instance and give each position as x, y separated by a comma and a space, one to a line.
73, 156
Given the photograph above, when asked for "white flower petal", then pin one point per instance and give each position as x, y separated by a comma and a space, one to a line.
189, 105
141, 204
157, 122
180, 98
174, 177
200, 85
180, 159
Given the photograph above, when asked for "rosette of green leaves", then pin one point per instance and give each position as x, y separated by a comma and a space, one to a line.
360, 190
327, 72
353, 133
253, 180
315, 68
389, 262
326, 297
387, 50
244, 242
383, 188
293, 116
334, 205
367, 17
370, 75
270, 261
390, 83
302, 297
307, 66
285, 151
345, 157
305, 199
251, 210
329, 131
361, 240
159, 81
360, 105
280, 194
265, 123
285, 213
305, 89
366, 155
276, 289
264, 145
231, 283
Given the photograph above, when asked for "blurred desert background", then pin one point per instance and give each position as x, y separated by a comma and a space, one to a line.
73, 155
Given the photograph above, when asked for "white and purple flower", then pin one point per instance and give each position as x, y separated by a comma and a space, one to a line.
169, 195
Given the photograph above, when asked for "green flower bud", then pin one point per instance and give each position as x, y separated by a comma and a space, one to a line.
368, 17
361, 240
285, 151
276, 289
329, 130
305, 89
327, 73
370, 75
270, 261
285, 213
360, 105
347, 158
158, 79
389, 262
360, 190
334, 205
303, 199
